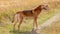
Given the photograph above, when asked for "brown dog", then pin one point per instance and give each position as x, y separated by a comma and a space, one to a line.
19, 16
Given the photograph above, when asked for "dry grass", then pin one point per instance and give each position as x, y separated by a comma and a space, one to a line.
9, 7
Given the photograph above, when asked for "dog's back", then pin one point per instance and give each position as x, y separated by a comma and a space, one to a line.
26, 12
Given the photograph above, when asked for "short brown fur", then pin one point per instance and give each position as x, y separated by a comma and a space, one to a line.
30, 13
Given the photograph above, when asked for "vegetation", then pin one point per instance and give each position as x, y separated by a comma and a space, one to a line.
7, 11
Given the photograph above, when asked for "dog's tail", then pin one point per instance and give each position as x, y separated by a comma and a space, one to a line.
15, 17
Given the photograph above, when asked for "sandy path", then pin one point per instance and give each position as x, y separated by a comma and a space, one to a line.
48, 23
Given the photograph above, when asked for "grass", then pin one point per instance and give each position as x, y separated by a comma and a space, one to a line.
7, 26
52, 29
6, 15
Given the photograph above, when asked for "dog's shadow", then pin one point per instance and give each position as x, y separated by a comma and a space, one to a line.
26, 32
